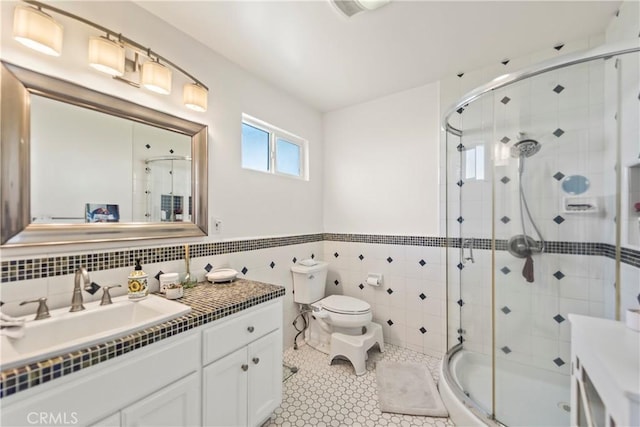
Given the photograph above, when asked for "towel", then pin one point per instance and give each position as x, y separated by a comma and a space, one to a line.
527, 271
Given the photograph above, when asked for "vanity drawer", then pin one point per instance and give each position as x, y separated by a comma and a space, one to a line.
229, 335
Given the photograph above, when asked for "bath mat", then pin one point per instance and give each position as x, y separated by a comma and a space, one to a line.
407, 388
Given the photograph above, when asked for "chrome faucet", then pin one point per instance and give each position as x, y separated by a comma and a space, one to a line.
76, 301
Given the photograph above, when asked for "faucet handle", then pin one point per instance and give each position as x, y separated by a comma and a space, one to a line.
43, 310
106, 297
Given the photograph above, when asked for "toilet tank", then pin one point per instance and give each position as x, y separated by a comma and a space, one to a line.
309, 282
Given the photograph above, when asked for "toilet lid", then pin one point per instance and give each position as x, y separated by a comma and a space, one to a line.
345, 305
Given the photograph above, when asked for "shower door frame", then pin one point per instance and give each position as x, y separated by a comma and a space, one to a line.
601, 52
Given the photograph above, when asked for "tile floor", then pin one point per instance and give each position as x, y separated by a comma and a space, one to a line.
333, 396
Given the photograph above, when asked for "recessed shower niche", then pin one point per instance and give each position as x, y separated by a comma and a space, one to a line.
633, 205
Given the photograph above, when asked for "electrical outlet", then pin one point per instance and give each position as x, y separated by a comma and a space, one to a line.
217, 225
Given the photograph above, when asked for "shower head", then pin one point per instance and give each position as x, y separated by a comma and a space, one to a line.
525, 148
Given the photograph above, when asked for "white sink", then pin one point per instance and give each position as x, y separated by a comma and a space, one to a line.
65, 332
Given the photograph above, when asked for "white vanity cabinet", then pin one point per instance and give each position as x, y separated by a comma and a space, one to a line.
605, 383
101, 392
228, 372
242, 377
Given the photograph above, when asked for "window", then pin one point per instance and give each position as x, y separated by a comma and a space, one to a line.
474, 163
268, 149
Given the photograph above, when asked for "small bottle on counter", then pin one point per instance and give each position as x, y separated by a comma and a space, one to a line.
137, 283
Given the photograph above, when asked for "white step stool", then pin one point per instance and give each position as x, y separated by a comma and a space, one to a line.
354, 347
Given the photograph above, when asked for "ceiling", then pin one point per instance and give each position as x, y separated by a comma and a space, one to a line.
312, 51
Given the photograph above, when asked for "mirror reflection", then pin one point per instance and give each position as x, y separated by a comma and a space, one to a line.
88, 166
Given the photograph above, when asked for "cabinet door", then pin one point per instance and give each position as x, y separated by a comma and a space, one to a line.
265, 376
224, 391
175, 405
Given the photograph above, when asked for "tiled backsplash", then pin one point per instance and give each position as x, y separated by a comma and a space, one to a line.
410, 304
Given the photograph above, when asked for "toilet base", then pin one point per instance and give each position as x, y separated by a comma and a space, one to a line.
318, 334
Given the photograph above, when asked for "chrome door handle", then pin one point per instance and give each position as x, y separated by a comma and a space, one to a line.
251, 329
245, 367
256, 360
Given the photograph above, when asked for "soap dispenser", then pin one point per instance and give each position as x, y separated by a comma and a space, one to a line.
138, 288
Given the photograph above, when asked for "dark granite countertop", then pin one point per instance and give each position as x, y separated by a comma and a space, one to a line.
208, 302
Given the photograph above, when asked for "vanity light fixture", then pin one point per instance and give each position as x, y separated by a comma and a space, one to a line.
106, 55
37, 30
109, 54
195, 97
156, 77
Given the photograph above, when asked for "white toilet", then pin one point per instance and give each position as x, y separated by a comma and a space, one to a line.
339, 325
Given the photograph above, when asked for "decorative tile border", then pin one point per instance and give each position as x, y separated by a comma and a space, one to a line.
27, 269
208, 303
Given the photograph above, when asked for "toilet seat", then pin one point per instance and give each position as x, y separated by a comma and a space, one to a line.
342, 304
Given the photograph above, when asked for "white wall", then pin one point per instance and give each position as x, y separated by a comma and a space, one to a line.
381, 165
249, 204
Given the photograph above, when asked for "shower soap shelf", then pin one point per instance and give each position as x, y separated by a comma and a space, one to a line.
580, 205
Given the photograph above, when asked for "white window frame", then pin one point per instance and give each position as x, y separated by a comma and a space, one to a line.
276, 133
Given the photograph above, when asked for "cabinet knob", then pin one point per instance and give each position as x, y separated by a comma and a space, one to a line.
245, 367
250, 329
256, 360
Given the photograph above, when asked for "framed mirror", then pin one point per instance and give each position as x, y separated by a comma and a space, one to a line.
82, 166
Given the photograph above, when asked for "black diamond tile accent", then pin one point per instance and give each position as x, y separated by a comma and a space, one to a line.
294, 260
208, 267
313, 256
506, 349
559, 46
460, 266
558, 176
558, 318
389, 291
157, 276
361, 286
93, 288
389, 260
244, 270
422, 296
171, 151
505, 62
558, 275
422, 329
638, 298
460, 183
422, 262
558, 361
505, 219
273, 264
558, 88
558, 132
460, 75
558, 220
148, 146
505, 139
460, 219
460, 302
505, 100
389, 322
460, 147
460, 340
505, 310
460, 110
505, 179
336, 255
361, 257
336, 282
505, 270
